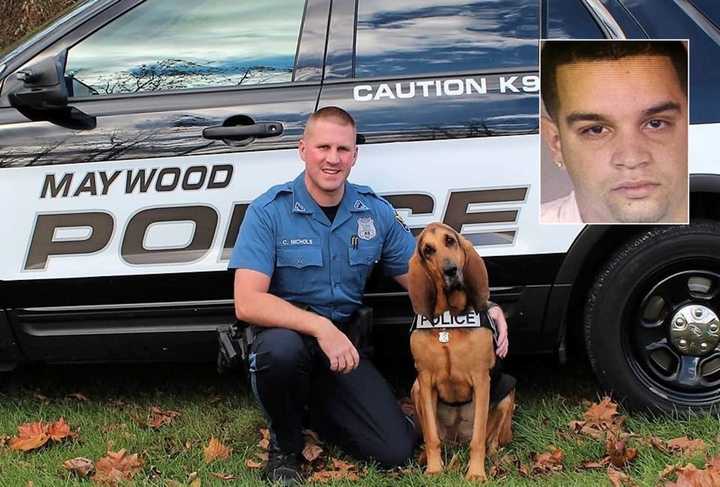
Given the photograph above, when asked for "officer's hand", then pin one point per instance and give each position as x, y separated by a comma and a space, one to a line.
496, 313
337, 346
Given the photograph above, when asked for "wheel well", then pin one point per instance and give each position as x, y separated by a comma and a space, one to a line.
703, 205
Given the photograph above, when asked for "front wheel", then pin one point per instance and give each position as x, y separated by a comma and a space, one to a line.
651, 319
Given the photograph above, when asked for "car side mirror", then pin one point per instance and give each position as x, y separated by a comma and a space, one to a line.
39, 91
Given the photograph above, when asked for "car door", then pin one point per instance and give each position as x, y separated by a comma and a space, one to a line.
121, 230
445, 93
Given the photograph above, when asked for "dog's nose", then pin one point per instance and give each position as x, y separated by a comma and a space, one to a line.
450, 270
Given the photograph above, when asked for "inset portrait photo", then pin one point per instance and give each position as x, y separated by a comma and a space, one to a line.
614, 126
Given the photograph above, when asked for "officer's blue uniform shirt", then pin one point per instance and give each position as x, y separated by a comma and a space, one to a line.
287, 236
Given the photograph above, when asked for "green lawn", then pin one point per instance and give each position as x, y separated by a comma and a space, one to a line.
119, 398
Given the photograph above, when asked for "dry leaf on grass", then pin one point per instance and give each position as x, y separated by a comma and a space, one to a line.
549, 461
311, 452
195, 483
618, 478
685, 445
59, 430
264, 442
600, 418
223, 476
160, 417
501, 465
34, 435
618, 452
116, 467
657, 443
215, 451
339, 470
691, 476
81, 466
594, 464
253, 464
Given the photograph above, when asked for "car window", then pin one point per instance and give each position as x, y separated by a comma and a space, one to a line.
410, 37
180, 44
570, 19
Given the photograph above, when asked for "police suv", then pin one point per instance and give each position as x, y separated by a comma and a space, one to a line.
134, 134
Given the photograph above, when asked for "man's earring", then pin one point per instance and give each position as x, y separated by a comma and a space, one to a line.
559, 164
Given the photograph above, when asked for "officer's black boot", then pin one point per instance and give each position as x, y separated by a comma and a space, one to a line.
282, 468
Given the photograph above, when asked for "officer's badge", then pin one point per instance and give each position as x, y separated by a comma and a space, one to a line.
366, 228
402, 223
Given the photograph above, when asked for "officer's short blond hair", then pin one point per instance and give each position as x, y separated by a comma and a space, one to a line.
335, 114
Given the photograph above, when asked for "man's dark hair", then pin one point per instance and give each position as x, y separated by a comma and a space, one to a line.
557, 53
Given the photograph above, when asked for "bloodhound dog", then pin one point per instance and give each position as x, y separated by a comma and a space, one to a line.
452, 390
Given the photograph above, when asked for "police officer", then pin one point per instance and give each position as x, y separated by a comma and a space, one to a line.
303, 254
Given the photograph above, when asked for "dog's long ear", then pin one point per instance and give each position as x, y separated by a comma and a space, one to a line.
475, 277
421, 288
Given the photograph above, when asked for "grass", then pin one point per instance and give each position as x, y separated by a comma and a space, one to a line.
549, 397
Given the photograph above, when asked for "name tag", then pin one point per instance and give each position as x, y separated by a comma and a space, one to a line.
446, 320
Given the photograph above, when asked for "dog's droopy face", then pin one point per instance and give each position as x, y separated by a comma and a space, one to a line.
446, 273
442, 252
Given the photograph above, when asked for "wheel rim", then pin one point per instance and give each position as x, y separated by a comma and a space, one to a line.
672, 342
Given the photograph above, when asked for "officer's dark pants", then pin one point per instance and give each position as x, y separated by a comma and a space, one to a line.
291, 379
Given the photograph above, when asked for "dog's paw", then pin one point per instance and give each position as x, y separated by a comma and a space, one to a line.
475, 474
434, 468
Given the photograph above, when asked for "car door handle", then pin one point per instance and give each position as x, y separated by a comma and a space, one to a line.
239, 132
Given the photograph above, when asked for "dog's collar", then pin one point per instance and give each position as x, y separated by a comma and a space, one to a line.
446, 321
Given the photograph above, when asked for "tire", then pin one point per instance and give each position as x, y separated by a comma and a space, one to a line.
632, 334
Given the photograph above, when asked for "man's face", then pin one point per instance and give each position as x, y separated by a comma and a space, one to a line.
329, 151
621, 131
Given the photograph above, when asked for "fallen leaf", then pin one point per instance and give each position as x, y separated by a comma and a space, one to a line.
500, 465
192, 476
59, 430
78, 396
311, 452
341, 470
691, 476
264, 442
657, 443
618, 478
223, 476
160, 417
173, 483
116, 467
550, 461
195, 483
215, 451
81, 466
253, 464
591, 465
30, 436
599, 419
619, 453
685, 445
